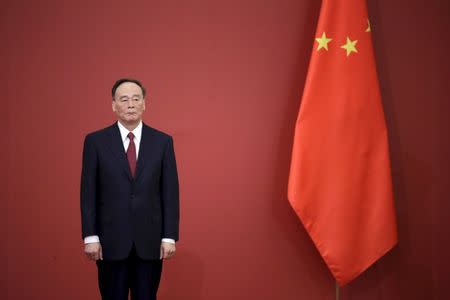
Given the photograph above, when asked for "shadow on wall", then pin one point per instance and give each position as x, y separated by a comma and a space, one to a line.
189, 270
290, 226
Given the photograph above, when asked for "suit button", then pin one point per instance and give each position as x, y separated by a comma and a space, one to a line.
132, 196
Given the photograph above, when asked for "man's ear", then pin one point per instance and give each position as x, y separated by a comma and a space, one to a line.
113, 103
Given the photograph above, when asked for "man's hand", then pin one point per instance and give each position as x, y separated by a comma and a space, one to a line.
93, 251
167, 250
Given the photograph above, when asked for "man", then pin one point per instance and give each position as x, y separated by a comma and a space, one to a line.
129, 199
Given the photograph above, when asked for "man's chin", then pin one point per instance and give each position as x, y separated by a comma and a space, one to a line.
130, 120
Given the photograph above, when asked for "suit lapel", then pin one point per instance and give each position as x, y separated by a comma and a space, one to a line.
144, 149
116, 146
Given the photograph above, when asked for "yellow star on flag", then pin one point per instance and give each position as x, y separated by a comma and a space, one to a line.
323, 42
369, 29
350, 46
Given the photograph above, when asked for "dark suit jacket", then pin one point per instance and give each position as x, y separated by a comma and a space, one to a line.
123, 210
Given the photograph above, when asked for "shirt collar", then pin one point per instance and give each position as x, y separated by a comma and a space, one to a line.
136, 131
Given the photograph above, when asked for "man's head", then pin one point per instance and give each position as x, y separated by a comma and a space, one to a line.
128, 103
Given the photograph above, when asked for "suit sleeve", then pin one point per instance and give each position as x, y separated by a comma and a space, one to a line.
88, 188
170, 193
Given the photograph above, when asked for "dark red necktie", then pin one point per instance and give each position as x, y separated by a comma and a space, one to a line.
131, 154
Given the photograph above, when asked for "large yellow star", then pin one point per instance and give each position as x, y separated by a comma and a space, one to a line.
369, 29
350, 46
323, 42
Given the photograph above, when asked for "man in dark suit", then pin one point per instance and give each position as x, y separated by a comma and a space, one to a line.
129, 199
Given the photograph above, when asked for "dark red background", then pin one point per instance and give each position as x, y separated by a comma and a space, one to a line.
225, 79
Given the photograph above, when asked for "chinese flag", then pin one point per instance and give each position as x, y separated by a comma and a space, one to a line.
340, 181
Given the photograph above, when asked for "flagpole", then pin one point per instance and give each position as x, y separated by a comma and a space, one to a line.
337, 291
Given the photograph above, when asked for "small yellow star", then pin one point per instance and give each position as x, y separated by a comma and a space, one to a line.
350, 46
323, 42
369, 29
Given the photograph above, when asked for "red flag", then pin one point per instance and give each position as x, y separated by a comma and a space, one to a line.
340, 182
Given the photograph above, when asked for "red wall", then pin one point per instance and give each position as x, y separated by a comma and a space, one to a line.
225, 78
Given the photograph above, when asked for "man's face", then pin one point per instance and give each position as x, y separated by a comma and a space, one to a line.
128, 103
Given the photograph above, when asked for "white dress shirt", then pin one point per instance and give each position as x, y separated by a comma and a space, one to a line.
137, 132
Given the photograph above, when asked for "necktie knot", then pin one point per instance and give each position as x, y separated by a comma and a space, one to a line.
131, 136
